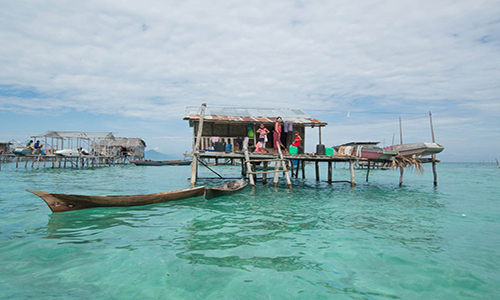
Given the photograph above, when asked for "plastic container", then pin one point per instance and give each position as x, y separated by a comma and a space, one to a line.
329, 151
293, 150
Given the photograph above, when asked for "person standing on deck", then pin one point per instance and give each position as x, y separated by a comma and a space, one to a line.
297, 142
277, 134
262, 131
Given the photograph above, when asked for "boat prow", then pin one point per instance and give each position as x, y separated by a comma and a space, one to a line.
225, 189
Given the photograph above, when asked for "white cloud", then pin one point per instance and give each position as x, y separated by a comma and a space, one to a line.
150, 60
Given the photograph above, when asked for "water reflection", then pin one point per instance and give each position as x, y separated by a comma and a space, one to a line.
96, 224
251, 228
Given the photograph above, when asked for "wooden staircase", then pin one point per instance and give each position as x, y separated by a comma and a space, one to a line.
279, 167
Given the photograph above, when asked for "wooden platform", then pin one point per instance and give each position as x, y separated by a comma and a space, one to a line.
54, 161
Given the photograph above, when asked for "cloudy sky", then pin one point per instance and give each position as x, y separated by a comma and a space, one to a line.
132, 67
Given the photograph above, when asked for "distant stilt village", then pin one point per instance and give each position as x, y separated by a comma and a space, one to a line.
263, 142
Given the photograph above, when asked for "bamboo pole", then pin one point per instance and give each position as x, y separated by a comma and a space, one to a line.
303, 170
433, 155
194, 164
351, 168
368, 171
249, 165
330, 172
264, 175
400, 132
285, 170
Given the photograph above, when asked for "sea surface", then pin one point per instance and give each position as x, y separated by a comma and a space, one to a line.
316, 241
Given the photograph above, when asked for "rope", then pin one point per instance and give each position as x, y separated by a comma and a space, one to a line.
201, 162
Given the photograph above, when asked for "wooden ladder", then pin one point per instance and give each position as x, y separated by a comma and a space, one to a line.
279, 167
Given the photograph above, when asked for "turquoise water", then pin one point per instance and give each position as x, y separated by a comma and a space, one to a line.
317, 241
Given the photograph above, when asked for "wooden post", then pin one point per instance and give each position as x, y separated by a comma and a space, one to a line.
319, 135
401, 172
17, 162
433, 155
303, 170
194, 164
264, 175
351, 168
400, 132
330, 172
276, 175
285, 170
248, 164
317, 170
368, 171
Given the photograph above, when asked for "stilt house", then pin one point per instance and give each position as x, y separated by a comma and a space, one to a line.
231, 125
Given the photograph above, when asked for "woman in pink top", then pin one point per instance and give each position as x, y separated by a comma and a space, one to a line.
277, 134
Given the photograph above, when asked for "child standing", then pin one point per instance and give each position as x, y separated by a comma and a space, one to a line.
297, 141
262, 131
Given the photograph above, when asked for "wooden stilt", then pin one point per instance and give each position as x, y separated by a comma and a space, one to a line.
276, 175
433, 155
401, 172
17, 162
196, 146
330, 172
317, 170
264, 175
248, 164
368, 171
351, 168
303, 170
285, 170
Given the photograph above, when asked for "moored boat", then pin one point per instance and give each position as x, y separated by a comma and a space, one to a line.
68, 202
225, 189
418, 149
66, 152
368, 150
161, 162
22, 151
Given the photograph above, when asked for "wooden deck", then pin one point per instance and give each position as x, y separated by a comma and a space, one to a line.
54, 161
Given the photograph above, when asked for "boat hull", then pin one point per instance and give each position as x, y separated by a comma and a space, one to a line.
225, 189
68, 202
66, 152
418, 149
161, 162
22, 151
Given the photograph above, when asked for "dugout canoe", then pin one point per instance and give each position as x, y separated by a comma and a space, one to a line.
68, 202
161, 162
225, 189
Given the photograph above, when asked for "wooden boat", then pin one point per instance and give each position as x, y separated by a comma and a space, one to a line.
22, 151
418, 149
225, 189
161, 162
67, 152
67, 202
368, 150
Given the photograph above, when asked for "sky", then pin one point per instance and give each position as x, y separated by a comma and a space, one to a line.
132, 67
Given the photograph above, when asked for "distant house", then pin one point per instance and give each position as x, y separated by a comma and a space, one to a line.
230, 125
100, 143
5, 147
133, 147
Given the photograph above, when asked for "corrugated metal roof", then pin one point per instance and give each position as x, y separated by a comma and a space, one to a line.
75, 134
251, 115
